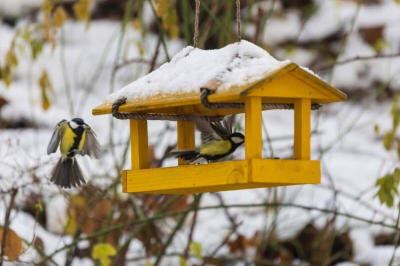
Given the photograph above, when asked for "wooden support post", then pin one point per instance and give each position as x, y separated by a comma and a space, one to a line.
186, 139
139, 145
302, 128
253, 133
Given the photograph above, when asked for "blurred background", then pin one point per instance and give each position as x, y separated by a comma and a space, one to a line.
61, 58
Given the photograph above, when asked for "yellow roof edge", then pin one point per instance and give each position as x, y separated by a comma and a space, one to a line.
294, 67
102, 109
320, 82
271, 76
105, 108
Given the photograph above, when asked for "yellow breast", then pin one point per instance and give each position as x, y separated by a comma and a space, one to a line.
67, 140
216, 147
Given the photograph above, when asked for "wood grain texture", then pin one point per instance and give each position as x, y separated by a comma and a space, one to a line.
286, 171
186, 137
253, 133
223, 176
287, 87
302, 129
139, 144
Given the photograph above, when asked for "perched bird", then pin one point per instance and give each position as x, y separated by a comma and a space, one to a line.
73, 137
219, 141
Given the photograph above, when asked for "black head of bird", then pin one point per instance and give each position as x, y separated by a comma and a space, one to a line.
76, 122
219, 141
236, 139
73, 137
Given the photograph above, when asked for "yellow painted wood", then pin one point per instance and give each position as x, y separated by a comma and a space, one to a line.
302, 129
286, 171
303, 80
286, 87
139, 145
289, 84
319, 84
186, 137
253, 133
231, 175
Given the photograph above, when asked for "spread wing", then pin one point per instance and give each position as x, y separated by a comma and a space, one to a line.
207, 132
224, 128
91, 146
215, 130
56, 138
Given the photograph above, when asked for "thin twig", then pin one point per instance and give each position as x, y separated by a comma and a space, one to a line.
223, 243
396, 240
6, 225
161, 30
132, 61
240, 206
176, 229
190, 237
129, 240
239, 30
196, 23
65, 74
156, 53
358, 58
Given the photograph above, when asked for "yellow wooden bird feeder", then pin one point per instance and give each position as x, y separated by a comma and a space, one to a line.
287, 85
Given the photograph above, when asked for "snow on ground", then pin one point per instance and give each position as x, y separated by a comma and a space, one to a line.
354, 162
14, 8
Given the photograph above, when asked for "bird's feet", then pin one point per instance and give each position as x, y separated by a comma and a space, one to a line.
73, 153
199, 161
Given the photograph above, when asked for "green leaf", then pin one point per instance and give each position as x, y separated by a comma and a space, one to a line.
182, 261
376, 129
388, 188
37, 48
38, 207
196, 249
388, 140
11, 58
45, 87
82, 10
380, 45
102, 252
60, 16
6, 75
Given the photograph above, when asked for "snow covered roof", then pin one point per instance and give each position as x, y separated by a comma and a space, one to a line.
236, 67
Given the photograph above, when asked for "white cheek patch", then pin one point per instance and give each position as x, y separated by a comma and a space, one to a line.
73, 124
237, 140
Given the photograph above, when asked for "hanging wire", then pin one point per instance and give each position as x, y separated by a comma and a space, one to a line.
196, 23
239, 26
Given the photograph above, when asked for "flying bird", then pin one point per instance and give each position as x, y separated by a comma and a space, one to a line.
219, 141
73, 137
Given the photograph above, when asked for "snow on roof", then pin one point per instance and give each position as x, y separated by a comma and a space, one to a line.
233, 65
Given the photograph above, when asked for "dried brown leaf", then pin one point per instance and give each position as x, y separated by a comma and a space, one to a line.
13, 245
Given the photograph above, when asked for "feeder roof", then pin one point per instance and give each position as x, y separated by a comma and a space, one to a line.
235, 70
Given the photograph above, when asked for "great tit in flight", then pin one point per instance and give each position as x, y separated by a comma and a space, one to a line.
73, 137
219, 141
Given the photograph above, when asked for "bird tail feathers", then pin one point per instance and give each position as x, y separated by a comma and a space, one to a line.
67, 173
187, 155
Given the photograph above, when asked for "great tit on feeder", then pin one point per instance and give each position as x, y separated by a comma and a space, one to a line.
73, 137
219, 141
